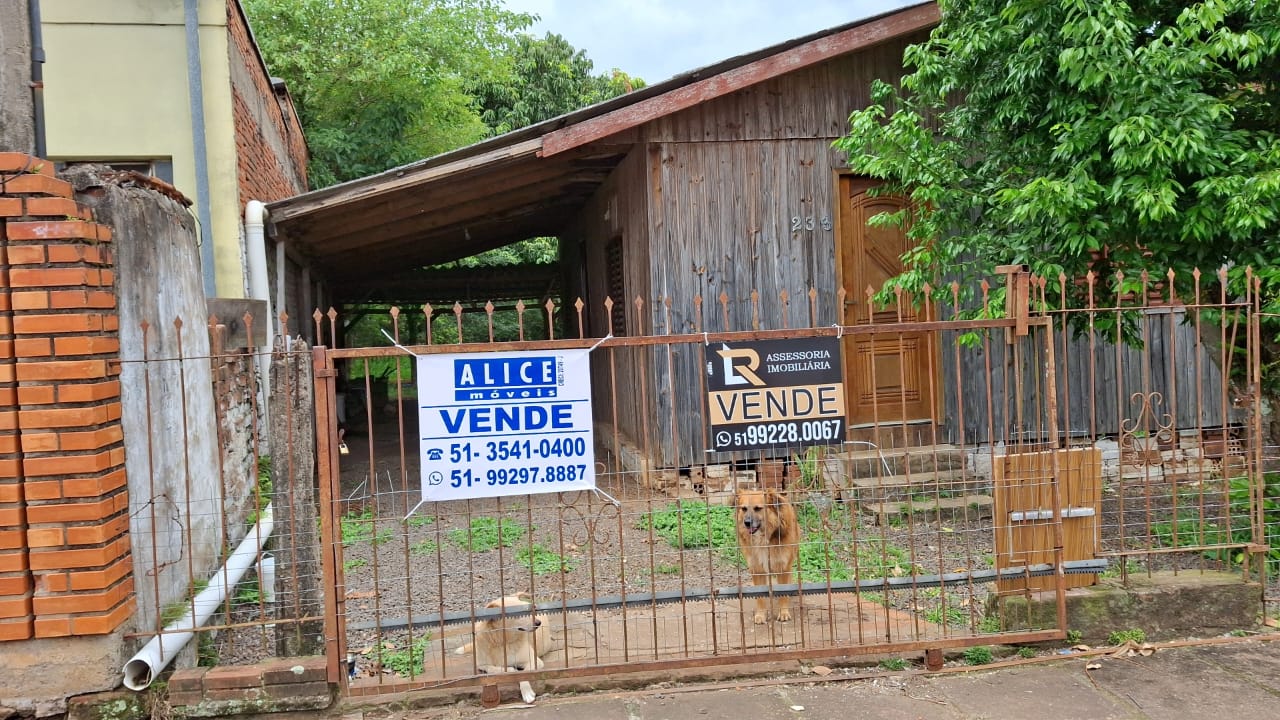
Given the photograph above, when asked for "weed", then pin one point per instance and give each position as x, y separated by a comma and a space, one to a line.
248, 593
894, 664
977, 655
1026, 653
1120, 637
264, 488
1130, 567
951, 616
421, 520
384, 536
206, 650
354, 563
1187, 528
989, 624
486, 534
543, 561
1074, 637
692, 525
667, 568
357, 527
406, 662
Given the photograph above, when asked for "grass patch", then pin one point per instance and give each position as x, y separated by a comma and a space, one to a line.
1026, 653
693, 525
951, 616
426, 547
404, 661
978, 655
486, 534
667, 568
1120, 637
357, 527
353, 564
384, 536
893, 664
543, 561
418, 521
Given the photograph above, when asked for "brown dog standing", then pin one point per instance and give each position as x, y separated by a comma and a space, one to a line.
769, 537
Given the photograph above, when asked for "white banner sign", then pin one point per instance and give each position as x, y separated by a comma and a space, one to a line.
510, 423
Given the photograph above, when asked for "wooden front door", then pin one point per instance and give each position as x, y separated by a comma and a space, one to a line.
889, 377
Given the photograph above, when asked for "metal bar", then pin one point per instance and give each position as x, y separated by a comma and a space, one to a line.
610, 602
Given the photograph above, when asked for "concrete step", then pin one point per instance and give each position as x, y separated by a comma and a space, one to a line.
944, 479
870, 462
970, 507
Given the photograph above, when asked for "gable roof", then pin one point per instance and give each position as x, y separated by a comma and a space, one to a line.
530, 181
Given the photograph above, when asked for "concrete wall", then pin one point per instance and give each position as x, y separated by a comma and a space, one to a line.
17, 128
171, 441
126, 59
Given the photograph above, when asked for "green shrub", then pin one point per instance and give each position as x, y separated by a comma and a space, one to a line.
977, 655
1120, 637
408, 661
894, 664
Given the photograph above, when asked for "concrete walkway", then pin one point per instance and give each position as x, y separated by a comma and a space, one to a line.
1235, 678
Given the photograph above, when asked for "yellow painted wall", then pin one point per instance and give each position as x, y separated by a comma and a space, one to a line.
116, 89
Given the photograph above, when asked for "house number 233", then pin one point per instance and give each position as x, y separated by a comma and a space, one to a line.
807, 222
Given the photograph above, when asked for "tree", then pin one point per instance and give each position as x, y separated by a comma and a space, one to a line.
381, 83
549, 78
1079, 135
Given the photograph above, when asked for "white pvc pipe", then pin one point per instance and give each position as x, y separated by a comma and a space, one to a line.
267, 577
156, 655
255, 241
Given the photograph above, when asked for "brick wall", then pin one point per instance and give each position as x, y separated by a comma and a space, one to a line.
64, 545
271, 152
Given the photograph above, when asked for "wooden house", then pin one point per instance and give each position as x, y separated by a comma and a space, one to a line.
718, 182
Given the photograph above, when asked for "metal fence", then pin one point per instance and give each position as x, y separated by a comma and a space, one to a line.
912, 535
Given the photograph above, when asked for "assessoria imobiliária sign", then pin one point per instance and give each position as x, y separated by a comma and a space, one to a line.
774, 393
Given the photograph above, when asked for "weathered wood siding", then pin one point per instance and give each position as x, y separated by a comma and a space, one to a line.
619, 210
1095, 384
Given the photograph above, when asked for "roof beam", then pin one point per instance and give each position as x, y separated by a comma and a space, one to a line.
800, 56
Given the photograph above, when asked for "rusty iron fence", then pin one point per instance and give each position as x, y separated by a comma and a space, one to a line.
1061, 446
224, 531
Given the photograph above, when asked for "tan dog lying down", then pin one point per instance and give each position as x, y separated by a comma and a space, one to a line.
510, 644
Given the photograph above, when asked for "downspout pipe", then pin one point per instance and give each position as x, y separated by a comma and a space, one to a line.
156, 655
255, 245
195, 91
37, 77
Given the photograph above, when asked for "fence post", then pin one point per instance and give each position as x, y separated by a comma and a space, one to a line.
297, 540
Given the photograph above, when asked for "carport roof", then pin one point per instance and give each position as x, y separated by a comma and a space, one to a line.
529, 182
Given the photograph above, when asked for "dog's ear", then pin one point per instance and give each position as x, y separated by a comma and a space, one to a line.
775, 497
522, 595
494, 603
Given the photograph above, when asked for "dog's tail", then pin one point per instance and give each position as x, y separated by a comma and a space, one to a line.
464, 649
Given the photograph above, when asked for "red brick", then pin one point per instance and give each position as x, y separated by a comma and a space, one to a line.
4, 290
37, 185
14, 163
39, 442
25, 254
82, 345
37, 370
66, 465
57, 207
33, 347
9, 467
76, 253
33, 300
23, 277
94, 579
13, 539
66, 417
10, 207
58, 581
15, 585
298, 690
233, 676
84, 602
10, 492
50, 324
17, 629
104, 623
45, 537
11, 516
43, 490
182, 698
246, 694
13, 561
91, 440
187, 679
280, 671
99, 533
80, 558
53, 229
15, 607
8, 396
107, 278
76, 299
52, 627
35, 395
89, 392
93, 487
8, 444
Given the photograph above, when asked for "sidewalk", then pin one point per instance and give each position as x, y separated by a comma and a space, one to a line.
1220, 681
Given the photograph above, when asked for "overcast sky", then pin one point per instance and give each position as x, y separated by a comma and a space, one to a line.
656, 39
